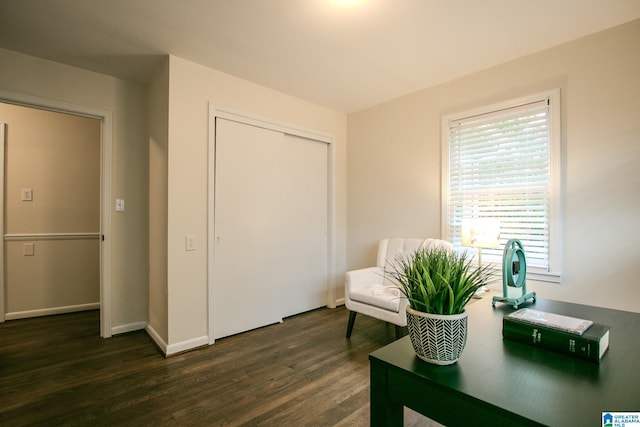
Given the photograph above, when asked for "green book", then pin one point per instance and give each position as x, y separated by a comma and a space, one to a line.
591, 345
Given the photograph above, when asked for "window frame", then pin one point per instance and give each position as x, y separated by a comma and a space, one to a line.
554, 271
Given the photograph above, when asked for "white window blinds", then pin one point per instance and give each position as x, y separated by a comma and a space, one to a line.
499, 166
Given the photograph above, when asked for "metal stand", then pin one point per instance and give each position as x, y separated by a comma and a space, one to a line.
514, 272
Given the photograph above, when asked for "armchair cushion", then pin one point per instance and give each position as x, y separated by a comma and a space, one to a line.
386, 297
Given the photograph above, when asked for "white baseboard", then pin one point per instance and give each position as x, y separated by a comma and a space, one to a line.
187, 345
49, 311
162, 345
339, 301
122, 329
172, 349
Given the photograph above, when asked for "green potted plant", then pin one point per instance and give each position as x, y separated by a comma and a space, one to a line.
438, 283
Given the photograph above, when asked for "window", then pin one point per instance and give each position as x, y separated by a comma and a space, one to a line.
503, 162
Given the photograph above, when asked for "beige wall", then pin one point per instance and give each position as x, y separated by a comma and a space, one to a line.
394, 161
191, 87
31, 76
158, 203
57, 156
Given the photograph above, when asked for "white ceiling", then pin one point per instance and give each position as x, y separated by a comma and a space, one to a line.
345, 57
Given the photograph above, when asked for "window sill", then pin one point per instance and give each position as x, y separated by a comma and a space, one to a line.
544, 277
532, 274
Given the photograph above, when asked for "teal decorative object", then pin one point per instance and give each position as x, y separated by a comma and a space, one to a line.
514, 274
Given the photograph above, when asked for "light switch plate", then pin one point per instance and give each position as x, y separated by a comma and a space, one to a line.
190, 242
119, 205
27, 194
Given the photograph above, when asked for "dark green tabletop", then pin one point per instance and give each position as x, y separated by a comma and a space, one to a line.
502, 382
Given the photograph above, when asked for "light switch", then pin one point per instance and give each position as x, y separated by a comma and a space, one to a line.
119, 205
28, 249
27, 194
190, 242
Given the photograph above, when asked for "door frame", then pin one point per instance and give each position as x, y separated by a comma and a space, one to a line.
105, 194
219, 111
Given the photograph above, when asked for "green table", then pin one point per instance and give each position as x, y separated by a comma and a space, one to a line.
499, 382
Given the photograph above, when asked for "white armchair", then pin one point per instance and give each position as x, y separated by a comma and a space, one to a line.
370, 292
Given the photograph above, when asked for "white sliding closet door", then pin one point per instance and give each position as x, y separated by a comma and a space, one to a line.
270, 227
305, 284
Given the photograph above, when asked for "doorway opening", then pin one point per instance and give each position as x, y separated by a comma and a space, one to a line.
83, 234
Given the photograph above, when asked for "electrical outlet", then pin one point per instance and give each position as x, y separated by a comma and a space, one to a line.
28, 249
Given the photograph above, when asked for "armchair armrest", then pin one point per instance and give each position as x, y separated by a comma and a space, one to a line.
368, 283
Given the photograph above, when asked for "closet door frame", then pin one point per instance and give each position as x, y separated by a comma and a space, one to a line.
218, 111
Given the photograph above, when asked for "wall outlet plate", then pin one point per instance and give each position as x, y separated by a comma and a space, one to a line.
28, 249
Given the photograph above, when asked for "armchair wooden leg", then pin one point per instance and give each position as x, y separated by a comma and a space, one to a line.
352, 320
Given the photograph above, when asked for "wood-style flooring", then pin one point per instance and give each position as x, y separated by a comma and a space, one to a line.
56, 370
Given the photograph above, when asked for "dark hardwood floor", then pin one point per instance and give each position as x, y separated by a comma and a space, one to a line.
56, 370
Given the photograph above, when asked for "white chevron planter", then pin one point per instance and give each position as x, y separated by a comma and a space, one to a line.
437, 338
